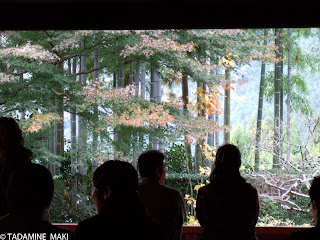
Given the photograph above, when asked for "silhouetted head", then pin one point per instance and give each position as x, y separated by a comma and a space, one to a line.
11, 143
10, 134
228, 161
151, 164
114, 179
314, 193
30, 189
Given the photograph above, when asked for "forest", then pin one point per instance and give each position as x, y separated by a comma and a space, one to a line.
83, 97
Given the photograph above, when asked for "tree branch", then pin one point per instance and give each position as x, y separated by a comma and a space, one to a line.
60, 94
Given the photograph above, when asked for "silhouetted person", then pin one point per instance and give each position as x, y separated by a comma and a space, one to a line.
228, 207
314, 232
12, 155
163, 204
120, 212
29, 195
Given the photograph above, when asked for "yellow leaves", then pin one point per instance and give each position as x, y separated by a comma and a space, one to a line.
227, 61
205, 170
192, 221
176, 102
209, 152
200, 90
190, 200
191, 106
205, 100
197, 187
208, 101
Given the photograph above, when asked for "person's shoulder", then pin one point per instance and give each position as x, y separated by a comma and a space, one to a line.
4, 218
172, 191
248, 187
3, 222
90, 228
57, 229
203, 190
151, 230
89, 222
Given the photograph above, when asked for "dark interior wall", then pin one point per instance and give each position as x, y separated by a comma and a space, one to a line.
156, 14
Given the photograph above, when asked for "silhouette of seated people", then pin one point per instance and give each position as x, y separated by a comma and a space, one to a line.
314, 232
228, 207
12, 155
120, 212
29, 195
163, 204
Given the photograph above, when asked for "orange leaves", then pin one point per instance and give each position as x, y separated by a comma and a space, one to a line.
39, 121
227, 87
207, 101
137, 117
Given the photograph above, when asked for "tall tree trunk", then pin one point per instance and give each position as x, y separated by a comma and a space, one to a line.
152, 85
114, 83
157, 84
82, 126
210, 139
158, 98
216, 137
59, 125
52, 147
281, 92
59, 129
260, 107
227, 100
115, 133
185, 92
131, 73
153, 98
135, 136
95, 135
198, 153
73, 125
137, 77
276, 146
121, 77
185, 98
143, 80
289, 96
58, 136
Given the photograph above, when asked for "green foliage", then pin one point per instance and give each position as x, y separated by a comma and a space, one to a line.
47, 86
273, 214
71, 201
176, 159
180, 181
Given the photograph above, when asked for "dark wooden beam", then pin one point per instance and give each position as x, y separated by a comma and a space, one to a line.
156, 14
